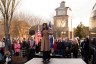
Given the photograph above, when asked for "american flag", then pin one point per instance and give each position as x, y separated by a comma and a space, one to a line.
38, 33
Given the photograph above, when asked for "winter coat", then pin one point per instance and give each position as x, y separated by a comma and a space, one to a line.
31, 44
24, 48
55, 46
17, 47
7, 59
45, 44
60, 45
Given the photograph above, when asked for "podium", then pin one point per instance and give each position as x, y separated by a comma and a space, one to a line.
57, 61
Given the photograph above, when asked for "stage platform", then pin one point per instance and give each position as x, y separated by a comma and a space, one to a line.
57, 61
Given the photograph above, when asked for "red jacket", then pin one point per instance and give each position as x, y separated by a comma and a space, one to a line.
55, 46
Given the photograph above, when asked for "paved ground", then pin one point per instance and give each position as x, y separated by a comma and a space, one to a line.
57, 61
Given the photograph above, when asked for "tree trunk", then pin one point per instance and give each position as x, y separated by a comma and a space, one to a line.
7, 37
7, 42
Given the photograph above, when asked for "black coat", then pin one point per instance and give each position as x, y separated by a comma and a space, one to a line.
60, 45
24, 48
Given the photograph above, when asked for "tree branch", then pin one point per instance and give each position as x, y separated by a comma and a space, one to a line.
14, 4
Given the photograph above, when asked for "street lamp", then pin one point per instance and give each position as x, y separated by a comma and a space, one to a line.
71, 28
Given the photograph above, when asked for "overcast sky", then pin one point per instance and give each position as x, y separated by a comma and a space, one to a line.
81, 9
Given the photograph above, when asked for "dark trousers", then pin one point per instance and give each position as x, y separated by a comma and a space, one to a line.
94, 57
46, 55
86, 57
31, 54
1, 62
61, 52
75, 53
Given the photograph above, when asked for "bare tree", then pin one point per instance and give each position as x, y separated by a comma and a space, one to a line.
19, 28
7, 8
35, 22
31, 19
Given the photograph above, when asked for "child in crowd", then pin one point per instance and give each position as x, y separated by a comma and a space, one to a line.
7, 58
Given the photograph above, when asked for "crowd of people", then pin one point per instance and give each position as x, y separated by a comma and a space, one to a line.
24, 48
64, 47
92, 50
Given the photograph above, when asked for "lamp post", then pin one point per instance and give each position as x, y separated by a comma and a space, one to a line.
71, 31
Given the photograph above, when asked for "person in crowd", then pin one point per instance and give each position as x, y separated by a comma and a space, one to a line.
31, 44
38, 46
82, 51
12, 47
16, 47
68, 46
2, 51
93, 50
45, 45
51, 39
7, 58
21, 44
55, 47
75, 48
11, 50
3, 48
85, 47
61, 47
24, 48
78, 39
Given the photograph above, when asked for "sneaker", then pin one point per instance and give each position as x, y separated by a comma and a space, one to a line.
47, 60
44, 61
